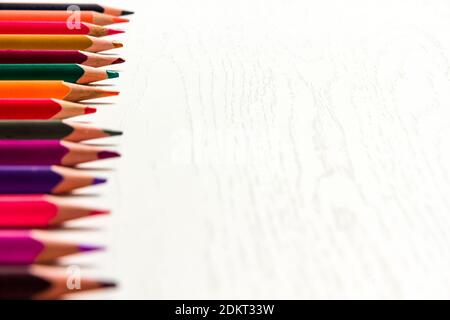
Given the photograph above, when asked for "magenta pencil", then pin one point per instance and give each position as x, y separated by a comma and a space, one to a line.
24, 247
50, 152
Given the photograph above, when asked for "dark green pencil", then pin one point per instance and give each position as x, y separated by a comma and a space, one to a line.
73, 73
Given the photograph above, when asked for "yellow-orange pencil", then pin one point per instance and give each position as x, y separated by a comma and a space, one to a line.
56, 42
51, 89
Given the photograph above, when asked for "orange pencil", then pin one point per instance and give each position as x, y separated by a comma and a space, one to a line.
64, 16
51, 89
56, 42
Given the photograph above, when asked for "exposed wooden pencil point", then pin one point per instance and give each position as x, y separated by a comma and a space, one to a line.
120, 20
110, 93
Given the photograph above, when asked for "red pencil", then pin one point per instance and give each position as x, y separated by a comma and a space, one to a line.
41, 109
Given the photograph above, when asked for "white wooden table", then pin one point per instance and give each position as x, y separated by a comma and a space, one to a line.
278, 149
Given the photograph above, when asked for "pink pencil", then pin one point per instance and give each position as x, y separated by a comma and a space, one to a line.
40, 211
51, 27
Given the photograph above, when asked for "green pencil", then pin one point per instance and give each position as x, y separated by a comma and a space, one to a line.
73, 73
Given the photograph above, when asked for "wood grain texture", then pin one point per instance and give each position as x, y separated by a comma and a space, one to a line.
282, 149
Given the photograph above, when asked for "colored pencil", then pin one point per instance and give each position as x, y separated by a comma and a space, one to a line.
37, 282
56, 42
58, 56
25, 247
50, 152
41, 109
43, 179
42, 27
64, 6
53, 129
62, 16
51, 89
40, 211
73, 73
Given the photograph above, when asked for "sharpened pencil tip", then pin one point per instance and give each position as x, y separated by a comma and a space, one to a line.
112, 74
88, 248
107, 284
99, 212
117, 44
110, 93
120, 20
127, 12
98, 181
113, 133
108, 154
115, 31
90, 110
118, 60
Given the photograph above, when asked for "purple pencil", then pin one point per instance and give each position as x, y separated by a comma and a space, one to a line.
43, 179
50, 152
23, 247
58, 56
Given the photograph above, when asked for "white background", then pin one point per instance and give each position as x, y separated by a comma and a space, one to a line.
277, 149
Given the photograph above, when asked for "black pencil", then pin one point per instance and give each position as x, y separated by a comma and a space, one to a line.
42, 282
61, 130
64, 7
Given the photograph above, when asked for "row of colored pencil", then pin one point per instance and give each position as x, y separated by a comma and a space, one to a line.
43, 78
